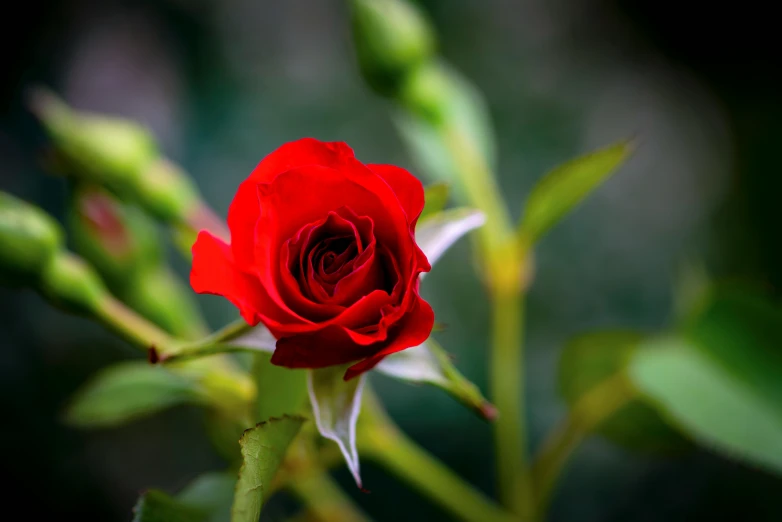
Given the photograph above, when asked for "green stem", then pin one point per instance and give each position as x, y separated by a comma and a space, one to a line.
591, 410
505, 265
323, 498
132, 326
383, 442
507, 391
213, 344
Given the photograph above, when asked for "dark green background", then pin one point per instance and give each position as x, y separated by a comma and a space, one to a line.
224, 83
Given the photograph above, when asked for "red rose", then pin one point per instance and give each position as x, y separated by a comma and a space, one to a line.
323, 253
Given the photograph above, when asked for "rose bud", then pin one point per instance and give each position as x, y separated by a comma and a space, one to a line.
392, 37
119, 155
323, 253
29, 238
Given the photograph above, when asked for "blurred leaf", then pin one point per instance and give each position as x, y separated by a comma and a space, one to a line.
281, 391
435, 198
691, 291
211, 492
157, 506
709, 402
336, 404
429, 363
559, 191
129, 390
589, 360
437, 233
466, 111
263, 450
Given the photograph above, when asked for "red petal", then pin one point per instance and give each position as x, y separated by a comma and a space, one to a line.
326, 347
408, 189
244, 209
214, 272
414, 329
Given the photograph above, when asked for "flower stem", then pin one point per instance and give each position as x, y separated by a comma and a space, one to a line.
380, 440
323, 498
591, 410
133, 327
505, 263
507, 390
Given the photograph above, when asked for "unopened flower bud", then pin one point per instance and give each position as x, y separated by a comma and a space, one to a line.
119, 155
118, 240
29, 238
70, 283
166, 192
427, 91
160, 296
107, 151
392, 37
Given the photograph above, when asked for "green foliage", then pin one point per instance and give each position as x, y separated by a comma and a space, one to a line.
157, 506
720, 380
127, 391
435, 197
592, 358
706, 401
263, 450
438, 232
212, 493
559, 191
459, 106
29, 238
281, 391
336, 404
430, 364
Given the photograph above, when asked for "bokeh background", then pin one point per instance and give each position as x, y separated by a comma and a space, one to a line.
223, 83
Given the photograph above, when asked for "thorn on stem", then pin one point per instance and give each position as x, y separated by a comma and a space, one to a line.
152, 355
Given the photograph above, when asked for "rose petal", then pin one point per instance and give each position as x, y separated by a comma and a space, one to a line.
414, 329
214, 272
408, 189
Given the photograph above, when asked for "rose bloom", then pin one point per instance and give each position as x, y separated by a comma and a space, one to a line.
323, 253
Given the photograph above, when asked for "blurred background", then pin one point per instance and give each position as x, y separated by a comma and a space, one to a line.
224, 83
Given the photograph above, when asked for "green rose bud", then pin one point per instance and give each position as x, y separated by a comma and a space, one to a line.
427, 92
166, 192
107, 151
160, 296
29, 238
119, 155
118, 240
70, 283
392, 37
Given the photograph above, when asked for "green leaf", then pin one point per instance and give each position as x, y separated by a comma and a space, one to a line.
437, 233
263, 450
281, 391
157, 506
130, 390
435, 198
430, 364
336, 404
559, 191
212, 493
466, 111
709, 402
589, 360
